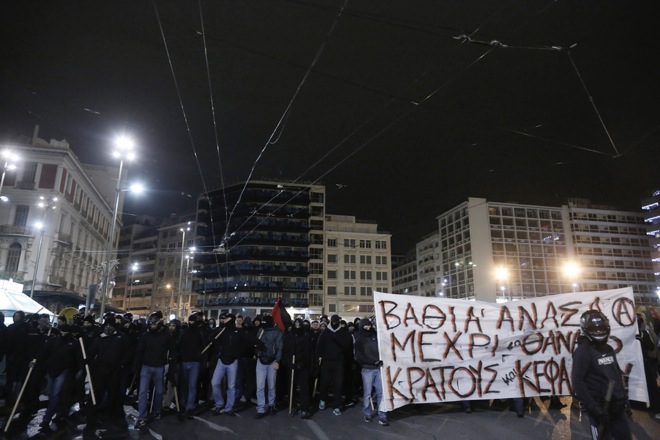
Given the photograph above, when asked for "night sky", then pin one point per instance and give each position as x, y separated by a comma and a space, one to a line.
403, 109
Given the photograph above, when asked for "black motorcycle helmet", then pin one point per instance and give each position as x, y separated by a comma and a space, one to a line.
595, 326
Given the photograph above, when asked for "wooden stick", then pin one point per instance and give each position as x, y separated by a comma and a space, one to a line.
214, 339
293, 370
20, 394
316, 381
89, 376
176, 398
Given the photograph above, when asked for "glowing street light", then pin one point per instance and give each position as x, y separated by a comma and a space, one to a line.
123, 150
572, 272
8, 157
134, 268
502, 275
48, 204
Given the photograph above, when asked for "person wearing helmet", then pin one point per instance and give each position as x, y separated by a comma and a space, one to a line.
596, 374
155, 349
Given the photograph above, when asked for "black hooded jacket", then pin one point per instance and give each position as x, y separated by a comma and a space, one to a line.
366, 347
594, 366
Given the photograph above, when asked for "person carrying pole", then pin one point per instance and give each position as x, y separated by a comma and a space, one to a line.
63, 360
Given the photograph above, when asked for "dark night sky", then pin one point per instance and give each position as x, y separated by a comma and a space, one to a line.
407, 118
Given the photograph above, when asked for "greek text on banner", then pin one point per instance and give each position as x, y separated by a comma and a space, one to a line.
442, 350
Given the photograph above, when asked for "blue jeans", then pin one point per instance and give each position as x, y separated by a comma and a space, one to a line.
147, 376
265, 373
55, 387
220, 371
371, 379
189, 375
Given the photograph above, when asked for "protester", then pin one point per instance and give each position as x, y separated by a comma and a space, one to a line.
269, 355
367, 356
333, 346
155, 349
598, 380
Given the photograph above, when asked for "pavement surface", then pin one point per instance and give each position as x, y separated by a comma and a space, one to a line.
489, 420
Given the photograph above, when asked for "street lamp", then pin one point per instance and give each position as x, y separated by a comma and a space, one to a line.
47, 204
124, 150
169, 312
572, 272
9, 157
502, 275
134, 267
183, 230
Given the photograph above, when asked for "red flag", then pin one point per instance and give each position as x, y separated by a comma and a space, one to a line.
280, 316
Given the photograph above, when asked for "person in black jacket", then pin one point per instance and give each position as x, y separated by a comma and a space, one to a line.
190, 347
333, 346
230, 344
62, 358
155, 350
368, 357
302, 366
596, 374
107, 356
649, 342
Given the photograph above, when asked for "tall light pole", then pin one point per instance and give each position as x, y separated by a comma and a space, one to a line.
183, 250
46, 204
134, 267
124, 150
8, 157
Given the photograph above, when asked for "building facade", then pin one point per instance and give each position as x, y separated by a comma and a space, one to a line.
260, 241
55, 218
505, 251
651, 209
358, 262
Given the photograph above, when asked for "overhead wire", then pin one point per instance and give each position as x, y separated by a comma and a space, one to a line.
288, 108
178, 92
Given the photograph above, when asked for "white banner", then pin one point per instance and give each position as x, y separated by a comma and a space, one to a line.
442, 350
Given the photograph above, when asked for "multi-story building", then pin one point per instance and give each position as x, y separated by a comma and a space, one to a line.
427, 265
358, 262
138, 247
651, 209
404, 274
260, 241
66, 251
501, 251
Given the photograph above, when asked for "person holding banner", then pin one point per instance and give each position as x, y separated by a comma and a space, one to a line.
367, 356
598, 379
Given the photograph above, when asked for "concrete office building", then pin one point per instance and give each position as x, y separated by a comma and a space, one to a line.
505, 251
358, 262
651, 209
260, 241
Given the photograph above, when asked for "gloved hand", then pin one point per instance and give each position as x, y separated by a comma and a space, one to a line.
32, 363
79, 374
602, 416
378, 363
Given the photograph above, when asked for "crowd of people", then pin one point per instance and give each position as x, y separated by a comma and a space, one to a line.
200, 364
240, 362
